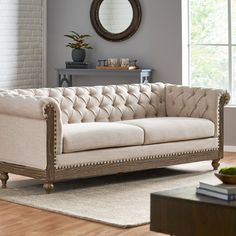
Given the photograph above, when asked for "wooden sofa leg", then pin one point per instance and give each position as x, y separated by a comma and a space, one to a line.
215, 164
4, 177
48, 187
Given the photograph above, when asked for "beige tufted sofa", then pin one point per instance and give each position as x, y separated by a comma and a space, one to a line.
65, 133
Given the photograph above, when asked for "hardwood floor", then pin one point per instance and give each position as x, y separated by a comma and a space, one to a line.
25, 221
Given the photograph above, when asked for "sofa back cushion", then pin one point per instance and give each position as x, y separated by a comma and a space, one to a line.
106, 103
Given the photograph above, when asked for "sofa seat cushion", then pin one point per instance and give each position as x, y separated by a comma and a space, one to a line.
170, 129
95, 135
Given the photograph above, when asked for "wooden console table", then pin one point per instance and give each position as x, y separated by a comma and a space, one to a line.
66, 75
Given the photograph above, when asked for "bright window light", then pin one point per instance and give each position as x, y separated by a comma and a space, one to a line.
209, 44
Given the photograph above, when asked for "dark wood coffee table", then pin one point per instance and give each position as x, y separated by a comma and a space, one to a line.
182, 212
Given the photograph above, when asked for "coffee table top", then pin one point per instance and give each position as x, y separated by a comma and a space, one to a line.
189, 194
182, 212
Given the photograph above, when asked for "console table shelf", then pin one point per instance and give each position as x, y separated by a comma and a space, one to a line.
67, 75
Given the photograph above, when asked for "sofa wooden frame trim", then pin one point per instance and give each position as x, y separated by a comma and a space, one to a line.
51, 174
106, 169
23, 170
224, 99
128, 166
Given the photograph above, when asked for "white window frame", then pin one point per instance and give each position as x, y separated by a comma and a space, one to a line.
186, 46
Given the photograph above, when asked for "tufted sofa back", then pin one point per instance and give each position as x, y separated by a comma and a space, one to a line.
195, 102
105, 103
192, 102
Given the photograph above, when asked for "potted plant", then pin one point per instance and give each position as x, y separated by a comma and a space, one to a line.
78, 45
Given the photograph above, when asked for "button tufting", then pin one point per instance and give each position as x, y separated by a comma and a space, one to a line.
127, 101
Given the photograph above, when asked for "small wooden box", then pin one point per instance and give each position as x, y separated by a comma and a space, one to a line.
112, 68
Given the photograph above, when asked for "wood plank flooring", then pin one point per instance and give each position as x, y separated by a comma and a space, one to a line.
17, 220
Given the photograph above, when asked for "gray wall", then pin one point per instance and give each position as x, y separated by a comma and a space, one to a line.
157, 44
230, 126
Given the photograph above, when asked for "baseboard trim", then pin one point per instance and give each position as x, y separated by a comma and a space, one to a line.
230, 148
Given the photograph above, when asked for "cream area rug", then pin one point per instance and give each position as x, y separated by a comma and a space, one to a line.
120, 200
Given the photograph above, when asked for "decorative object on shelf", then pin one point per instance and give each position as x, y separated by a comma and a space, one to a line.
117, 64
113, 62
133, 63
115, 21
113, 68
102, 62
124, 62
78, 45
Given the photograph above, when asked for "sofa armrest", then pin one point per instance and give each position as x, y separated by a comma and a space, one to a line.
32, 107
196, 102
24, 106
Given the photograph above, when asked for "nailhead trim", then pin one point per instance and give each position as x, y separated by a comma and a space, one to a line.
55, 136
130, 160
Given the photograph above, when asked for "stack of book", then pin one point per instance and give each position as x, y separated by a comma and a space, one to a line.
218, 190
76, 65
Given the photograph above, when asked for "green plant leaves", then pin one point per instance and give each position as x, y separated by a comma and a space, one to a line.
79, 40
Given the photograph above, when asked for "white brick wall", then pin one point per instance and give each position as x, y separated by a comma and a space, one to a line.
21, 47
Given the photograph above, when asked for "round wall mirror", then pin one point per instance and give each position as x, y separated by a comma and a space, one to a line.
115, 20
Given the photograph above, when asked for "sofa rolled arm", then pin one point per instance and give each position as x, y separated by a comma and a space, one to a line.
25, 106
33, 107
197, 102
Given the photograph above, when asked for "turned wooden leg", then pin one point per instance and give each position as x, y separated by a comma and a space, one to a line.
4, 177
48, 187
215, 164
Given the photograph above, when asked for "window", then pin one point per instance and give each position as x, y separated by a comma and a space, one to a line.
211, 43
